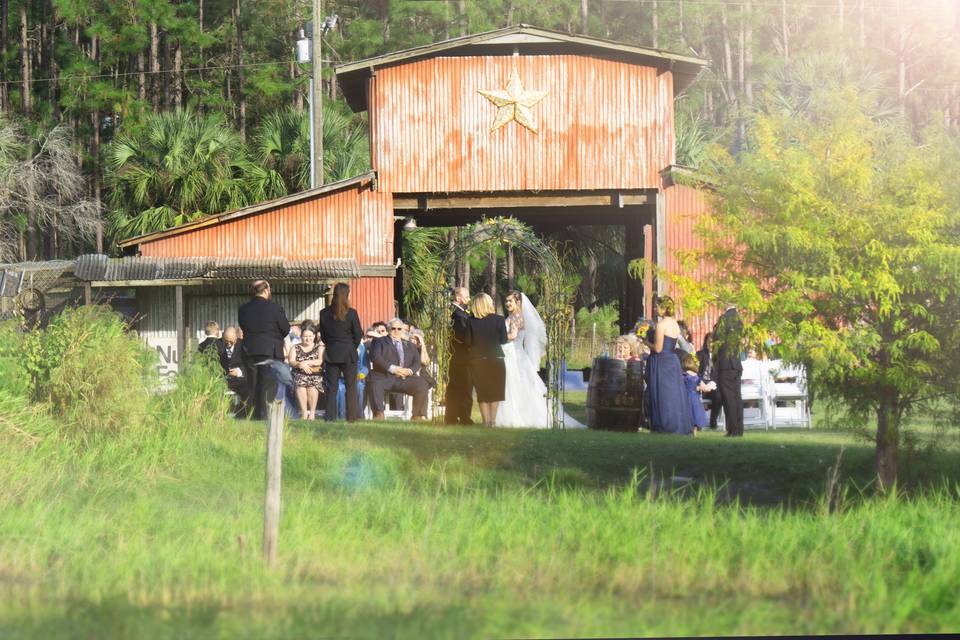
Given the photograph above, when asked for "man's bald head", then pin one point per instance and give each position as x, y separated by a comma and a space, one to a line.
230, 335
461, 296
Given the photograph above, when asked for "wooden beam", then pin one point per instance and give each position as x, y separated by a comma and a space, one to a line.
87, 294
197, 282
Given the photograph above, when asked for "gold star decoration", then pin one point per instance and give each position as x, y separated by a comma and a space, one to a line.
513, 103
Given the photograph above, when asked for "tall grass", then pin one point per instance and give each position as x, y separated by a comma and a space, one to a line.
375, 542
151, 528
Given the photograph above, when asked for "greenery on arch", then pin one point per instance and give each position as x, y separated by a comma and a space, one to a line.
554, 302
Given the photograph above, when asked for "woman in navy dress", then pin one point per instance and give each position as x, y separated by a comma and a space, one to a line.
669, 402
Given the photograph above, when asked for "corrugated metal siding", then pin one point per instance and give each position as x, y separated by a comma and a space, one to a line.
222, 308
373, 299
603, 125
157, 326
685, 207
353, 223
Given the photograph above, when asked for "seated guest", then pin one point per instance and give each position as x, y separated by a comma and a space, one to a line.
419, 341
292, 338
695, 386
621, 349
306, 358
638, 348
212, 340
231, 359
395, 363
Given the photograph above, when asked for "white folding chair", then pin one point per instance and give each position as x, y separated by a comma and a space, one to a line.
755, 389
790, 403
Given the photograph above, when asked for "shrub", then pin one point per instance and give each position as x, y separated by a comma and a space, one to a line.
93, 373
14, 374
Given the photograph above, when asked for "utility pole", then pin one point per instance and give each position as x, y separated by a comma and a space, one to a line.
316, 91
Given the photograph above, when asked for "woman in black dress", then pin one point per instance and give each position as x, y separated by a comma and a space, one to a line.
341, 334
486, 332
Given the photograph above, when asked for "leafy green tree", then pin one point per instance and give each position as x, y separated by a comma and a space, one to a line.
281, 144
839, 236
178, 167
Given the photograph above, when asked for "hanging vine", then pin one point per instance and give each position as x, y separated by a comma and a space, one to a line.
554, 305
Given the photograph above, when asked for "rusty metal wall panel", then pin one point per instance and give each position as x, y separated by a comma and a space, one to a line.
603, 125
685, 207
373, 299
350, 224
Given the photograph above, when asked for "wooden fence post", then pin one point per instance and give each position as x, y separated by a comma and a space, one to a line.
271, 505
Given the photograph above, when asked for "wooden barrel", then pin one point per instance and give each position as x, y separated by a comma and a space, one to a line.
615, 395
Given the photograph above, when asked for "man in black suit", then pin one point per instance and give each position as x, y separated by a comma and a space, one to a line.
211, 340
264, 326
459, 402
231, 360
394, 363
727, 339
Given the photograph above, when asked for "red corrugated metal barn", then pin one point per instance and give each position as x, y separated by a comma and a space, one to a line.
548, 127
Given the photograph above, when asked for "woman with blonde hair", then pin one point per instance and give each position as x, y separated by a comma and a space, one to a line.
486, 333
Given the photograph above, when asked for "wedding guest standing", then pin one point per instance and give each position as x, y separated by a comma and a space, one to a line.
669, 405
486, 333
341, 334
459, 400
727, 339
264, 326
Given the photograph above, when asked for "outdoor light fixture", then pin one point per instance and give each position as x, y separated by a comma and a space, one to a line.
410, 224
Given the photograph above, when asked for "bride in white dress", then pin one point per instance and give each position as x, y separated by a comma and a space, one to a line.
525, 395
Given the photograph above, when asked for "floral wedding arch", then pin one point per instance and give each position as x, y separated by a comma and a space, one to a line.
554, 303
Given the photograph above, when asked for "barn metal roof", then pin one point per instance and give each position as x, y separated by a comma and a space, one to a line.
101, 268
522, 38
276, 203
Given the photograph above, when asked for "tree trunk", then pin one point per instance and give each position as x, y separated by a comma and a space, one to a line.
166, 80
97, 179
141, 77
747, 53
154, 66
888, 440
241, 98
510, 279
785, 32
588, 288
462, 17
727, 56
4, 25
492, 274
655, 24
584, 15
177, 75
863, 26
26, 102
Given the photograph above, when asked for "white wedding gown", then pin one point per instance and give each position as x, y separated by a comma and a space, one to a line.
525, 395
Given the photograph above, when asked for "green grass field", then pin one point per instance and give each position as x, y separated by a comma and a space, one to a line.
396, 530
